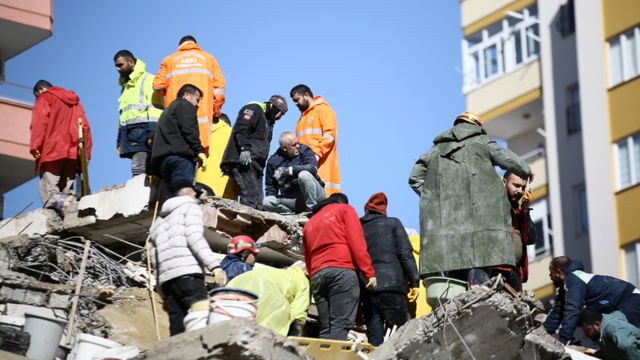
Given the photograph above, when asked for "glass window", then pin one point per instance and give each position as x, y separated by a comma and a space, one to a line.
533, 48
491, 60
636, 156
624, 61
517, 37
631, 264
623, 164
615, 62
630, 55
573, 110
581, 205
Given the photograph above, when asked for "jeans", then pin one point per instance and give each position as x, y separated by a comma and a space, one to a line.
336, 292
249, 180
180, 294
139, 163
178, 172
56, 182
308, 195
380, 307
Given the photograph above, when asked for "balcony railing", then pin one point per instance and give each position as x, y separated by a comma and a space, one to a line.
16, 93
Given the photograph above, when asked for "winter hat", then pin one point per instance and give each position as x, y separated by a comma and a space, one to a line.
378, 203
279, 102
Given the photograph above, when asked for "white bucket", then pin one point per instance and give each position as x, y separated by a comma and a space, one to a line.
45, 336
13, 321
195, 320
229, 303
88, 345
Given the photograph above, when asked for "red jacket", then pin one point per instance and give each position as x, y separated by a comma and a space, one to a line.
54, 126
333, 237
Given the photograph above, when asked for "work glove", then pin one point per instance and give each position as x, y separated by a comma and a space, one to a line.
219, 277
295, 329
413, 294
35, 154
202, 160
245, 158
280, 174
526, 200
372, 283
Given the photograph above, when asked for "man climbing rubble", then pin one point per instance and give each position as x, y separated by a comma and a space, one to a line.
576, 288
334, 248
292, 181
248, 148
54, 142
465, 225
178, 252
396, 271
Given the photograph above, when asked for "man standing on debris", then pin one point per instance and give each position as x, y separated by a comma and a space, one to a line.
617, 339
191, 65
241, 256
523, 229
318, 129
223, 185
178, 251
248, 148
465, 225
292, 181
54, 142
396, 271
176, 146
283, 297
140, 108
334, 249
604, 294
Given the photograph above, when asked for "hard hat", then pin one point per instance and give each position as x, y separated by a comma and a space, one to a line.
241, 242
470, 117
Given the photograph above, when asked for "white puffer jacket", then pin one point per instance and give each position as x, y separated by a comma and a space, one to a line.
178, 246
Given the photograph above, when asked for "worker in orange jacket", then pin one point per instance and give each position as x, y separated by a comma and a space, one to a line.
191, 65
318, 129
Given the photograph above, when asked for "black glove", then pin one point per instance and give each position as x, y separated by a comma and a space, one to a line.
295, 329
245, 158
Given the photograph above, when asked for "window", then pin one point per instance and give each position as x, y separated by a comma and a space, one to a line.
626, 153
573, 110
582, 216
631, 263
542, 223
501, 47
624, 52
566, 19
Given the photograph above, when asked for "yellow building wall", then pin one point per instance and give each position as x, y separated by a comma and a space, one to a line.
624, 109
619, 16
422, 308
628, 208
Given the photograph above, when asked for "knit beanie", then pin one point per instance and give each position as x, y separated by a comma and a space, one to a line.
378, 203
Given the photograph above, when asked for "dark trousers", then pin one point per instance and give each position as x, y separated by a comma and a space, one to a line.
382, 307
336, 292
511, 277
178, 172
180, 293
249, 180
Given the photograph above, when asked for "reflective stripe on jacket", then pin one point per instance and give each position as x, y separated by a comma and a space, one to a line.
318, 129
191, 65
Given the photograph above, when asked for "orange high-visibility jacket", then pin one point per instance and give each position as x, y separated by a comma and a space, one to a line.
191, 65
318, 129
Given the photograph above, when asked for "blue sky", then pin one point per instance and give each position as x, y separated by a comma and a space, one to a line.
388, 69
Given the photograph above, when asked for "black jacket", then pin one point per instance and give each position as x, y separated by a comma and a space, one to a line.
252, 131
176, 133
305, 161
601, 293
391, 253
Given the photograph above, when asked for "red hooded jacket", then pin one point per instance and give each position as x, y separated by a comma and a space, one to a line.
333, 237
54, 126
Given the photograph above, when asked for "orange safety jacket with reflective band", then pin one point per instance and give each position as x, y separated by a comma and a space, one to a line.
191, 65
318, 129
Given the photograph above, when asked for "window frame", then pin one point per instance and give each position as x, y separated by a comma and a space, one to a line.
574, 126
540, 212
632, 141
627, 56
636, 247
581, 225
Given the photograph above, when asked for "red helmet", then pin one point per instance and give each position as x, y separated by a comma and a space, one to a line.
241, 242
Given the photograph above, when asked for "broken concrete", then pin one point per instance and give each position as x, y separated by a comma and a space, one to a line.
37, 222
235, 339
480, 324
22, 289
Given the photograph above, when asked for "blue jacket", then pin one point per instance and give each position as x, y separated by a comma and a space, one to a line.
305, 161
233, 265
600, 293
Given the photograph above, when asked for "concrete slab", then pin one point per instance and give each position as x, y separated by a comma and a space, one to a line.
37, 222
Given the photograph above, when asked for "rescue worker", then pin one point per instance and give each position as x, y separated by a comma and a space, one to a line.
617, 339
523, 229
241, 256
222, 185
54, 142
292, 181
140, 108
576, 288
318, 129
465, 226
391, 253
191, 65
176, 147
283, 297
334, 249
248, 148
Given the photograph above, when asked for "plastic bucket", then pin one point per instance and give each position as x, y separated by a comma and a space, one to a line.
13, 321
195, 320
88, 345
45, 335
229, 303
443, 289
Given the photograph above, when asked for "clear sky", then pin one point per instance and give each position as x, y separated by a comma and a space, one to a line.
388, 69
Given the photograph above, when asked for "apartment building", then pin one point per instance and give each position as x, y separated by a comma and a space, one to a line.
555, 80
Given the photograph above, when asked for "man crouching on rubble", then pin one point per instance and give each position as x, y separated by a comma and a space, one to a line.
178, 251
